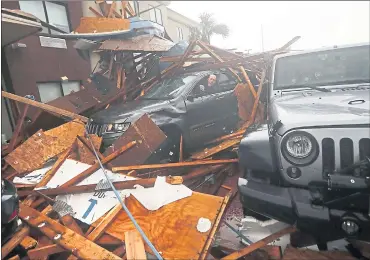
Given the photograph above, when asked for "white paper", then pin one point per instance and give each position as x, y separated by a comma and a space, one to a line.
161, 194
33, 177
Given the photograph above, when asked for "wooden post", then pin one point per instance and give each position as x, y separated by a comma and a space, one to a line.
249, 83
181, 155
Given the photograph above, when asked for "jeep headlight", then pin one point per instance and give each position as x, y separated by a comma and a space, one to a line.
299, 148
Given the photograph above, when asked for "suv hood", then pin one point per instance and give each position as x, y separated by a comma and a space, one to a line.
129, 111
313, 108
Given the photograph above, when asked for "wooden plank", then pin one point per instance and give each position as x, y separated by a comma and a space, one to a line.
121, 185
215, 149
18, 129
263, 242
257, 100
14, 241
80, 177
134, 246
41, 252
111, 9
181, 148
216, 57
102, 24
95, 12
172, 165
172, 228
68, 239
108, 219
28, 243
51, 109
215, 227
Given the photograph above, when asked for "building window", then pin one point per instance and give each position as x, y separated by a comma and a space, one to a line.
54, 13
52, 90
155, 14
180, 36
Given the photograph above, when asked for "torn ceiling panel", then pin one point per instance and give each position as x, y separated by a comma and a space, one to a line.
149, 43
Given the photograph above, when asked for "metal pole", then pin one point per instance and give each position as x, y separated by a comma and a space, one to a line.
123, 204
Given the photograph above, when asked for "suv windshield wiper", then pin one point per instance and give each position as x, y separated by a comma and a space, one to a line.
322, 89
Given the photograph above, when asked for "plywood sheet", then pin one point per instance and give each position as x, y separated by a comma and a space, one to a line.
172, 228
83, 153
102, 24
42, 146
149, 138
245, 101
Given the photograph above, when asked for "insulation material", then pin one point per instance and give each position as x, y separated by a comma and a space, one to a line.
161, 194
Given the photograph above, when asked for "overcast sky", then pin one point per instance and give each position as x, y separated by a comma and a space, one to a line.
319, 23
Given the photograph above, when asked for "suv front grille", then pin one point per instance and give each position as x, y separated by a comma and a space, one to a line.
346, 153
98, 129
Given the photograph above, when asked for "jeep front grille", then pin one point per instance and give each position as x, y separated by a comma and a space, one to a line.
98, 129
346, 153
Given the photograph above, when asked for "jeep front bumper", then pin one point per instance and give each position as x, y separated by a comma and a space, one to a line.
293, 206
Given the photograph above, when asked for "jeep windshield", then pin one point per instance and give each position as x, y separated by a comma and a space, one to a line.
324, 68
169, 88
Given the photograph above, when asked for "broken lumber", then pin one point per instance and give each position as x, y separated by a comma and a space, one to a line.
14, 241
215, 149
28, 243
263, 242
80, 177
40, 252
63, 236
134, 246
172, 165
46, 107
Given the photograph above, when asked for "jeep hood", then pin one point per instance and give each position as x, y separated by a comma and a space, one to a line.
312, 109
129, 111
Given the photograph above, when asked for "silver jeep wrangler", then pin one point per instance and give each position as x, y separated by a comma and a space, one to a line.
310, 164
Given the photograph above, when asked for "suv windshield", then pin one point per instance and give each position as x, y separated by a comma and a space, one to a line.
338, 66
169, 88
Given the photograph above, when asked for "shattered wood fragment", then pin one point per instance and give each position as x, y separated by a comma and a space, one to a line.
95, 12
14, 241
121, 185
80, 177
215, 227
111, 9
108, 219
40, 252
84, 153
174, 180
71, 241
134, 246
143, 129
215, 149
256, 101
172, 165
28, 243
245, 101
46, 107
168, 228
263, 242
102, 24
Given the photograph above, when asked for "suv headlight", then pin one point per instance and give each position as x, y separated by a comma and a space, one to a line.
299, 148
116, 128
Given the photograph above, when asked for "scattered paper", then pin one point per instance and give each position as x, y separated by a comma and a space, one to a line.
161, 194
204, 224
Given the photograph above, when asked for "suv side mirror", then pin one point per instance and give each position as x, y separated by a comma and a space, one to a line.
190, 98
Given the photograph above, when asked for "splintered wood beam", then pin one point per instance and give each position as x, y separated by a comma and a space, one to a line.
14, 241
215, 149
172, 165
121, 185
18, 129
181, 155
134, 246
95, 12
111, 9
28, 243
80, 177
63, 236
289, 43
261, 243
257, 100
249, 83
101, 227
216, 57
46, 107
41, 252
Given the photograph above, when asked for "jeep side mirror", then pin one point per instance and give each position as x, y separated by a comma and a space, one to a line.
190, 98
